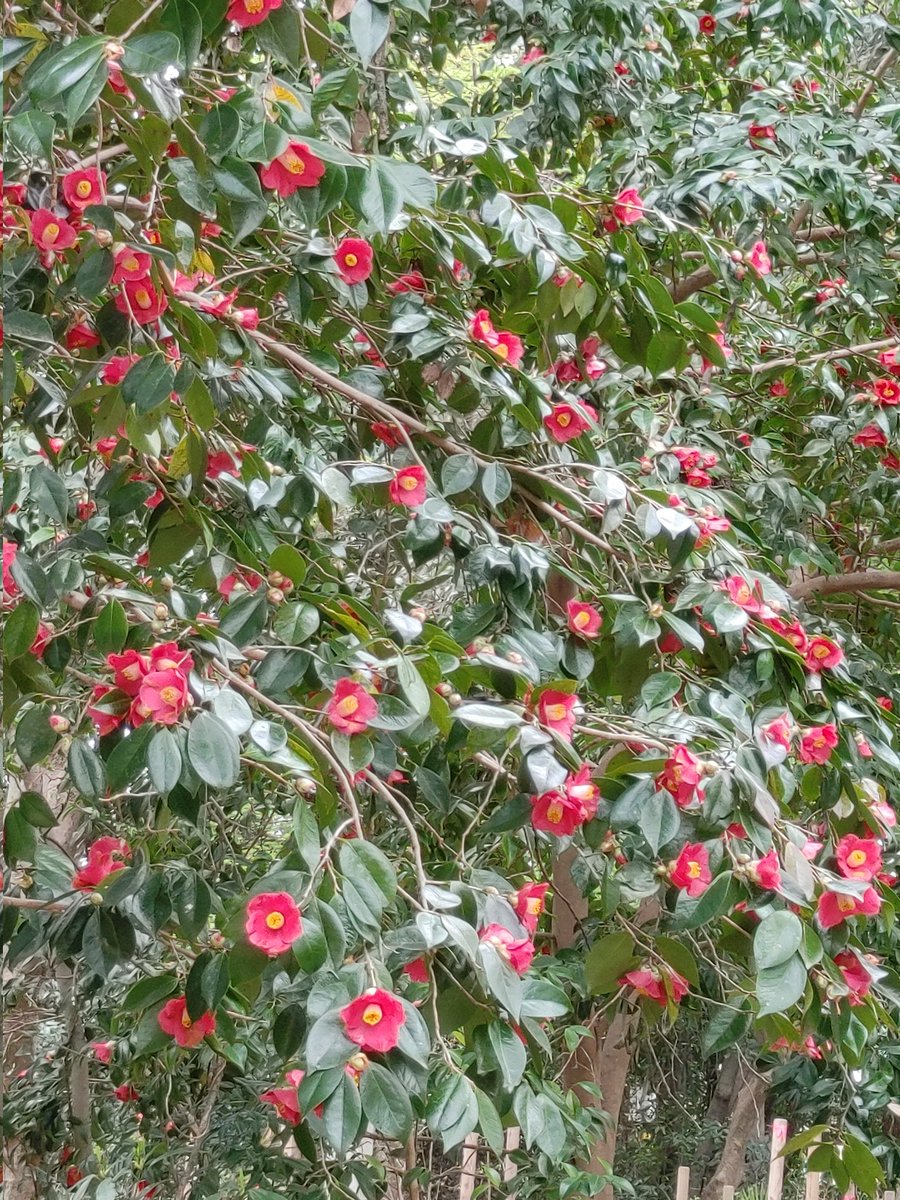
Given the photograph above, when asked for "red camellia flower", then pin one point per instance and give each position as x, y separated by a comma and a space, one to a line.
690, 871
125, 1092
73, 1176
242, 580
81, 188
621, 68
583, 619
412, 281
350, 708
708, 24
389, 434
855, 975
518, 952
555, 812
117, 368
284, 1099
481, 328
509, 347
51, 233
779, 731
569, 420
103, 1051
374, 1020
10, 587
661, 985
822, 652
581, 788
834, 908
886, 703
890, 360
354, 257
766, 872
106, 718
758, 259
761, 133
129, 668
408, 487
141, 301
296, 167
174, 1020
817, 744
858, 858
530, 904
417, 970
886, 391
130, 265
556, 710
793, 631
81, 337
247, 13
163, 697
534, 54
779, 389
628, 207
104, 856
680, 776
869, 436
273, 922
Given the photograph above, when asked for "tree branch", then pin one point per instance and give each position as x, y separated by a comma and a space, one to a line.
825, 356
854, 581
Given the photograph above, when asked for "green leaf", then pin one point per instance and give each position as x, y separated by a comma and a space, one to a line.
246, 618
49, 493
385, 1102
509, 1052
726, 1027
164, 761
288, 1030
181, 18
149, 382
326, 1043
213, 751
296, 623
59, 68
21, 629
607, 961
342, 1114
86, 769
36, 811
487, 716
458, 473
501, 979
659, 819
151, 53
778, 988
496, 483
34, 739
720, 897
778, 937
306, 834
369, 26
19, 838
111, 628
148, 991
23, 326
489, 1121
31, 133
108, 940
679, 958
452, 1111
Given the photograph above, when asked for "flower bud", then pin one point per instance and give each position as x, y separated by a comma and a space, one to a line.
161, 612
167, 583
708, 768
26, 882
444, 689
275, 595
58, 723
275, 578
305, 787
96, 899
655, 611
454, 699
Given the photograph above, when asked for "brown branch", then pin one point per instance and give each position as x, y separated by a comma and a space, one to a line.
854, 581
881, 549
887, 61
825, 356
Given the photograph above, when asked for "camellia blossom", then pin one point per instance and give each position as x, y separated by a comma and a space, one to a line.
534, 54
581, 788
761, 133
690, 871
833, 908
766, 872
758, 259
707, 24
509, 347
103, 1051
411, 281
350, 708
890, 360
870, 436
518, 952
680, 776
273, 922
858, 858
374, 1020
569, 420
857, 979
106, 717
779, 731
530, 904
116, 368
81, 337
556, 710
81, 188
557, 813
628, 207
817, 744
661, 985
246, 13
481, 328
408, 487
104, 856
129, 668
296, 167
284, 1099
822, 652
140, 300
886, 392
389, 434
130, 265
174, 1020
583, 619
51, 233
163, 697
417, 970
354, 258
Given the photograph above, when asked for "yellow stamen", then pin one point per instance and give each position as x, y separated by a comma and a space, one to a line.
350, 260
372, 1014
83, 188
856, 858
348, 706
275, 920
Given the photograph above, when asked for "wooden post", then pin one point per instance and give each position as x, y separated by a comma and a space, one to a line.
813, 1178
468, 1167
683, 1184
510, 1142
776, 1161
889, 1195
727, 1192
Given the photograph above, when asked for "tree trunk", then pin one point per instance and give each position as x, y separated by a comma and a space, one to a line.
746, 1120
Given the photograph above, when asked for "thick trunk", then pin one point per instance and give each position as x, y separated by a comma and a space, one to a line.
746, 1120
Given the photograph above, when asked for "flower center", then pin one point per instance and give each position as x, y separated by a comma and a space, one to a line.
83, 188
350, 260
534, 906
555, 712
856, 858
846, 904
275, 920
51, 232
253, 6
502, 351
694, 870
555, 812
582, 619
348, 706
130, 263
293, 162
169, 695
131, 672
372, 1014
186, 1020
142, 298
564, 419
820, 652
409, 482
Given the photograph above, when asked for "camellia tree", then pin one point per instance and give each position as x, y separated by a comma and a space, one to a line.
450, 562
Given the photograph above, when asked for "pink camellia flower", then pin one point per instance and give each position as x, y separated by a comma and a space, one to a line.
82, 337
105, 718
284, 1099
823, 652
741, 593
408, 487
296, 167
569, 420
350, 708
834, 908
509, 347
115, 370
690, 871
890, 360
389, 434
758, 259
104, 856
761, 133
621, 68
412, 281
220, 462
865, 750
518, 952
707, 24
810, 849
130, 265
556, 710
779, 389
42, 640
534, 54
354, 257
779, 731
661, 985
103, 1051
481, 328
242, 580
141, 301
766, 872
680, 776
162, 698
374, 1020
125, 1092
530, 904
173, 1019
273, 922
583, 619
855, 976
885, 702
246, 13
129, 668
581, 788
792, 631
417, 970
886, 392
628, 207
858, 858
557, 813
869, 436
51, 233
817, 744
81, 188
10, 587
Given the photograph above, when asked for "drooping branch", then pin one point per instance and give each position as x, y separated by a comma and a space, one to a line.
824, 356
853, 581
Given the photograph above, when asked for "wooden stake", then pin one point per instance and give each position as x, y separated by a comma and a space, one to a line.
510, 1142
468, 1167
776, 1161
683, 1184
727, 1192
